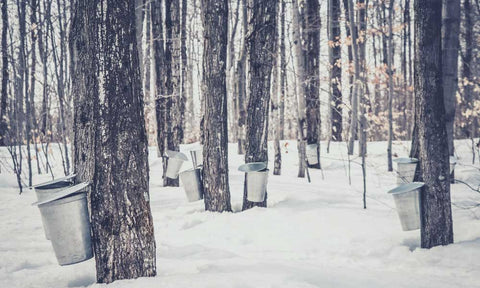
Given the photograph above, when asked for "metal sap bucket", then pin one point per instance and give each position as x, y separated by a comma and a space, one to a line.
192, 184
66, 216
453, 162
174, 163
406, 169
45, 190
257, 179
407, 201
312, 154
197, 157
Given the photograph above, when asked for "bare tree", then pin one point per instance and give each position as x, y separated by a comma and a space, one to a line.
4, 95
312, 75
215, 149
436, 224
117, 158
335, 60
451, 46
391, 11
261, 59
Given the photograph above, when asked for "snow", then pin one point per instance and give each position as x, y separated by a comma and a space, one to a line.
311, 235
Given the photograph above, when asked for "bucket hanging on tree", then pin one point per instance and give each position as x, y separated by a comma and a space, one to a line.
257, 179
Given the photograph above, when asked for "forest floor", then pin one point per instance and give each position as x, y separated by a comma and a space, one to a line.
311, 235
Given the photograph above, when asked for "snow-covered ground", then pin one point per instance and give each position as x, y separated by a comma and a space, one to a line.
311, 235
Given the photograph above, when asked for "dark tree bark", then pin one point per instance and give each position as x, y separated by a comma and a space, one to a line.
4, 95
436, 227
451, 46
23, 67
312, 75
335, 59
159, 60
173, 117
283, 72
122, 226
390, 72
215, 149
468, 99
261, 44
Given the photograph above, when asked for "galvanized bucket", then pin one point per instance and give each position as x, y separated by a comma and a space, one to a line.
257, 185
257, 178
192, 184
406, 169
66, 216
312, 154
48, 189
197, 157
407, 201
174, 163
453, 162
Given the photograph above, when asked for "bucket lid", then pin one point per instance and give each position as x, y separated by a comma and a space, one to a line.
406, 188
176, 155
405, 160
66, 178
63, 193
252, 167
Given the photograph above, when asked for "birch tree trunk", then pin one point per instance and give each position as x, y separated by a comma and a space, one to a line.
261, 44
33, 118
215, 149
275, 99
436, 224
299, 87
241, 83
356, 66
112, 138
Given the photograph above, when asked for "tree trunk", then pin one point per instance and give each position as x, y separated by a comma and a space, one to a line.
299, 87
33, 118
335, 59
261, 44
183, 72
356, 68
283, 73
467, 99
4, 95
312, 76
241, 75
390, 85
215, 149
451, 45
436, 228
173, 118
122, 225
275, 99
159, 61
